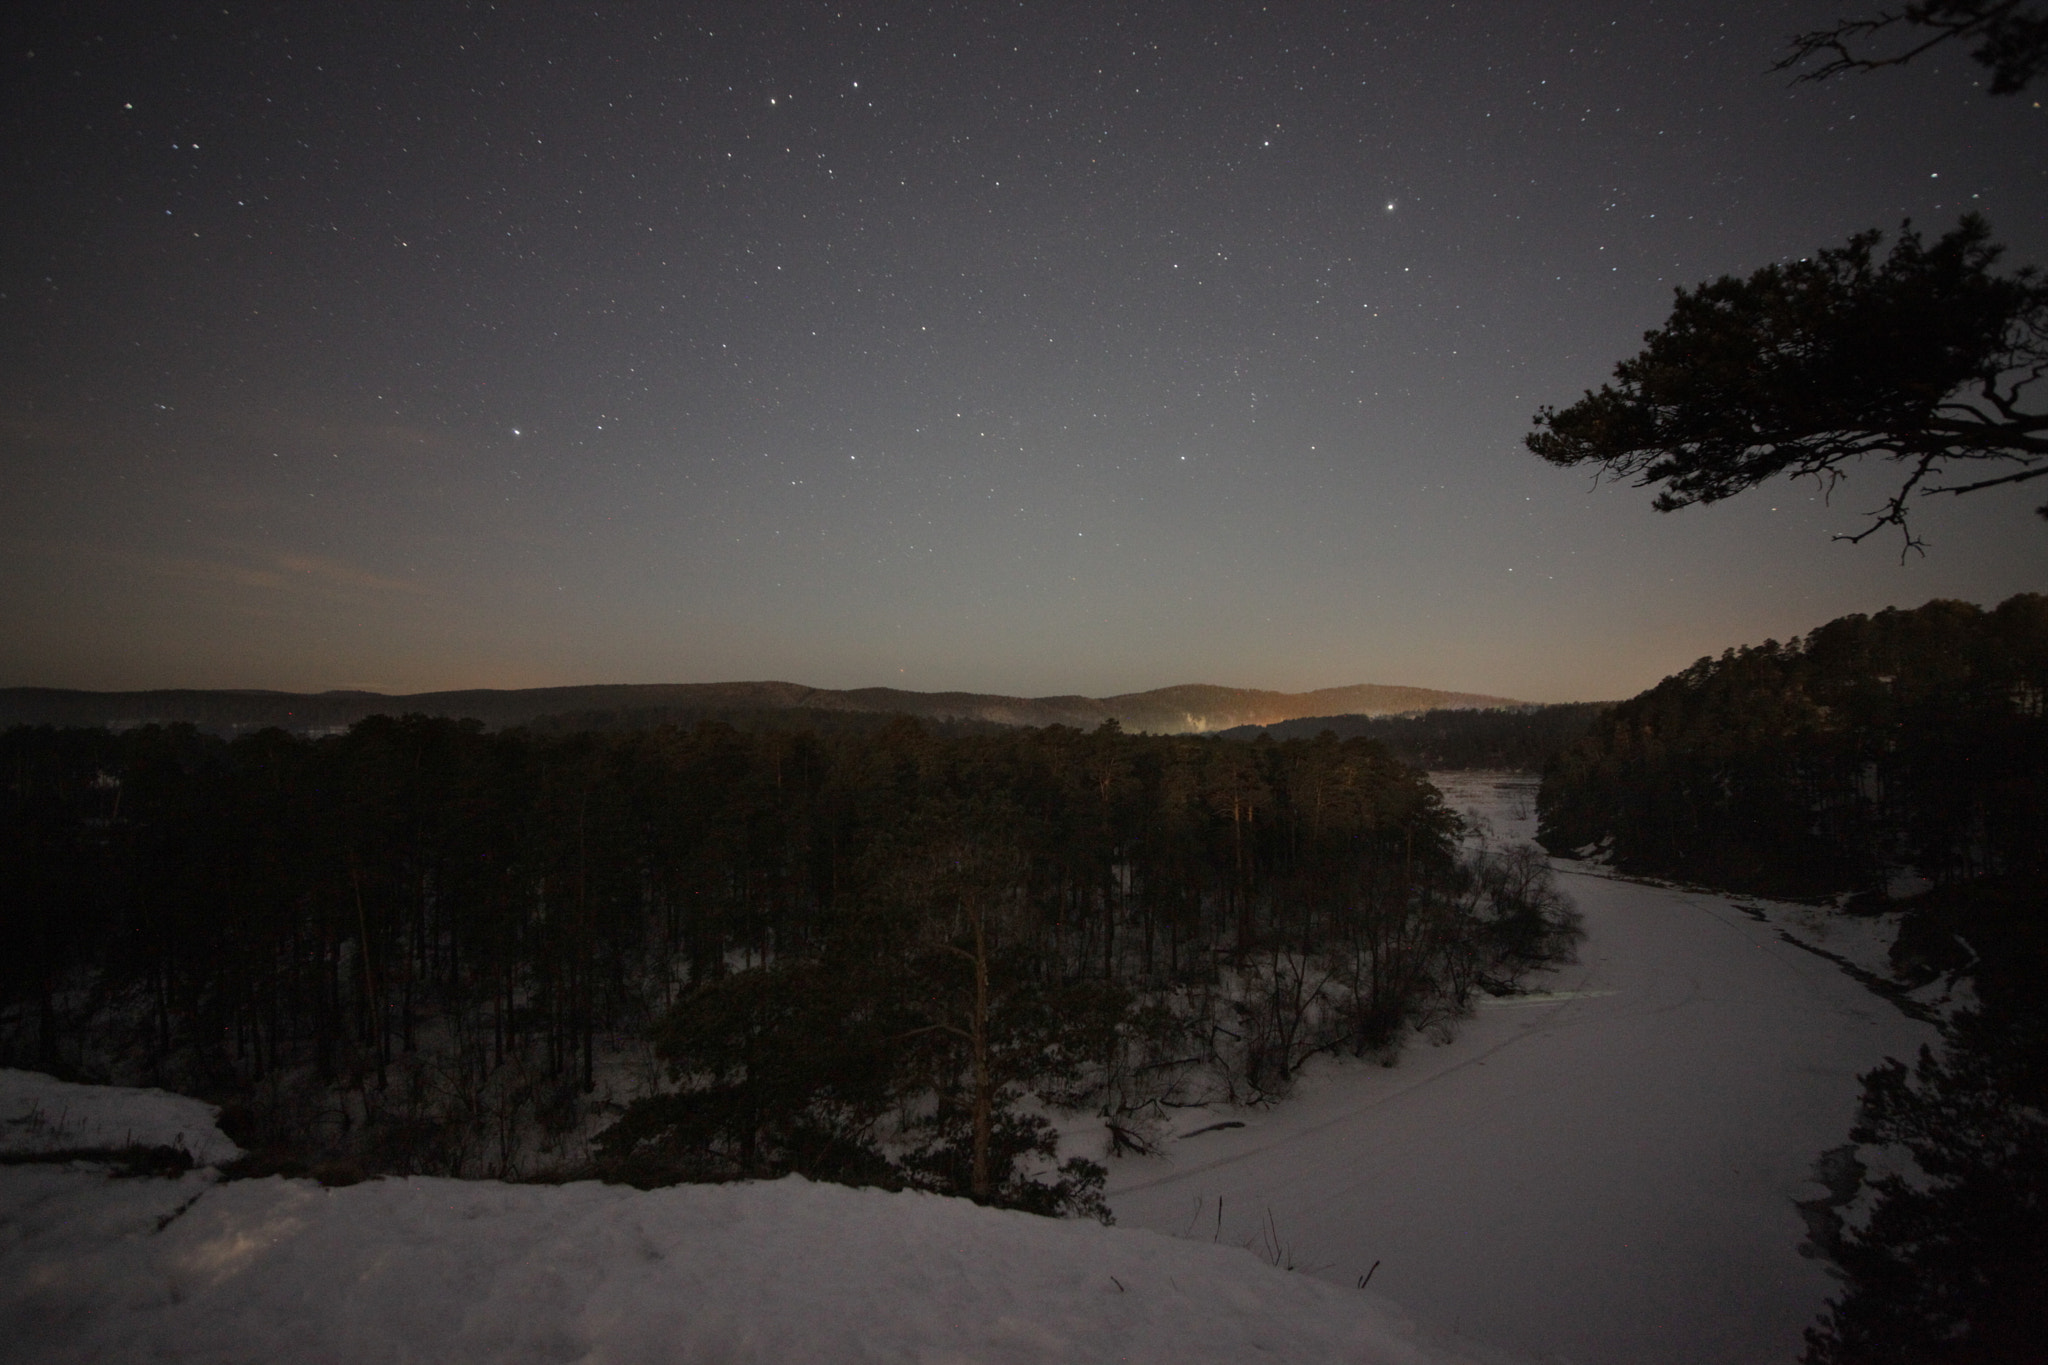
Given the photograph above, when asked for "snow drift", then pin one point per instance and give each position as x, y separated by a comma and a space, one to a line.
94, 1267
42, 1114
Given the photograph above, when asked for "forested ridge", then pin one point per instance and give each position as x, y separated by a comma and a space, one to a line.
871, 955
1909, 738
1514, 738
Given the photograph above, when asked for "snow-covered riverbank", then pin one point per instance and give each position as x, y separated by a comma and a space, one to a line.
1601, 1171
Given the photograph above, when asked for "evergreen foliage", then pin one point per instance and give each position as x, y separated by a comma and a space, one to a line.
1925, 357
1909, 737
1942, 1256
1949, 1266
872, 955
1512, 739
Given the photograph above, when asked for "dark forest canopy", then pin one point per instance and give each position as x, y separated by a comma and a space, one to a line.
1516, 739
781, 720
409, 944
1905, 738
1924, 356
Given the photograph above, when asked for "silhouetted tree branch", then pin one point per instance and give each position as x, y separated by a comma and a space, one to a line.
2010, 37
1924, 357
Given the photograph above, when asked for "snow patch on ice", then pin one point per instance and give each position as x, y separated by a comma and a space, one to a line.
1499, 808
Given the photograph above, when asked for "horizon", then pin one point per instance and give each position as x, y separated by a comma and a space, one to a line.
942, 690
1031, 353
780, 682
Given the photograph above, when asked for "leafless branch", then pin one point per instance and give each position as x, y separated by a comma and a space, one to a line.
2007, 35
2020, 477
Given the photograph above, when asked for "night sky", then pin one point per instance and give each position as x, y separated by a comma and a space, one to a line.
1027, 348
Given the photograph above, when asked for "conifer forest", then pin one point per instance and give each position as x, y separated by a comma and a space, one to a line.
878, 955
1909, 738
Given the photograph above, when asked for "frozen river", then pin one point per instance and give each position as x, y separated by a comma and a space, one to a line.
1602, 1172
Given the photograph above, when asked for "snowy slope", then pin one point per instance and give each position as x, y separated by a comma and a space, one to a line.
99, 1269
41, 1114
1602, 1171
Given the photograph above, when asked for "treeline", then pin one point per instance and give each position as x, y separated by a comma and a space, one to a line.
1906, 738
1514, 739
866, 955
792, 719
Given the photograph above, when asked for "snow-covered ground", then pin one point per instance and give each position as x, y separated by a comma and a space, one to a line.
94, 1268
1601, 1171
1498, 807
42, 1114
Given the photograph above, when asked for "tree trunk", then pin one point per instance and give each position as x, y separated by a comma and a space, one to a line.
984, 1092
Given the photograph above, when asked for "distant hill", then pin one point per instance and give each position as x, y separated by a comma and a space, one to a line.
1520, 738
1194, 707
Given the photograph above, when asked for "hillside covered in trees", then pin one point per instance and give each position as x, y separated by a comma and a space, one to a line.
1909, 738
1514, 738
873, 955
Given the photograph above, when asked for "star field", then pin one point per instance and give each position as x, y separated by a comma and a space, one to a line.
1016, 347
